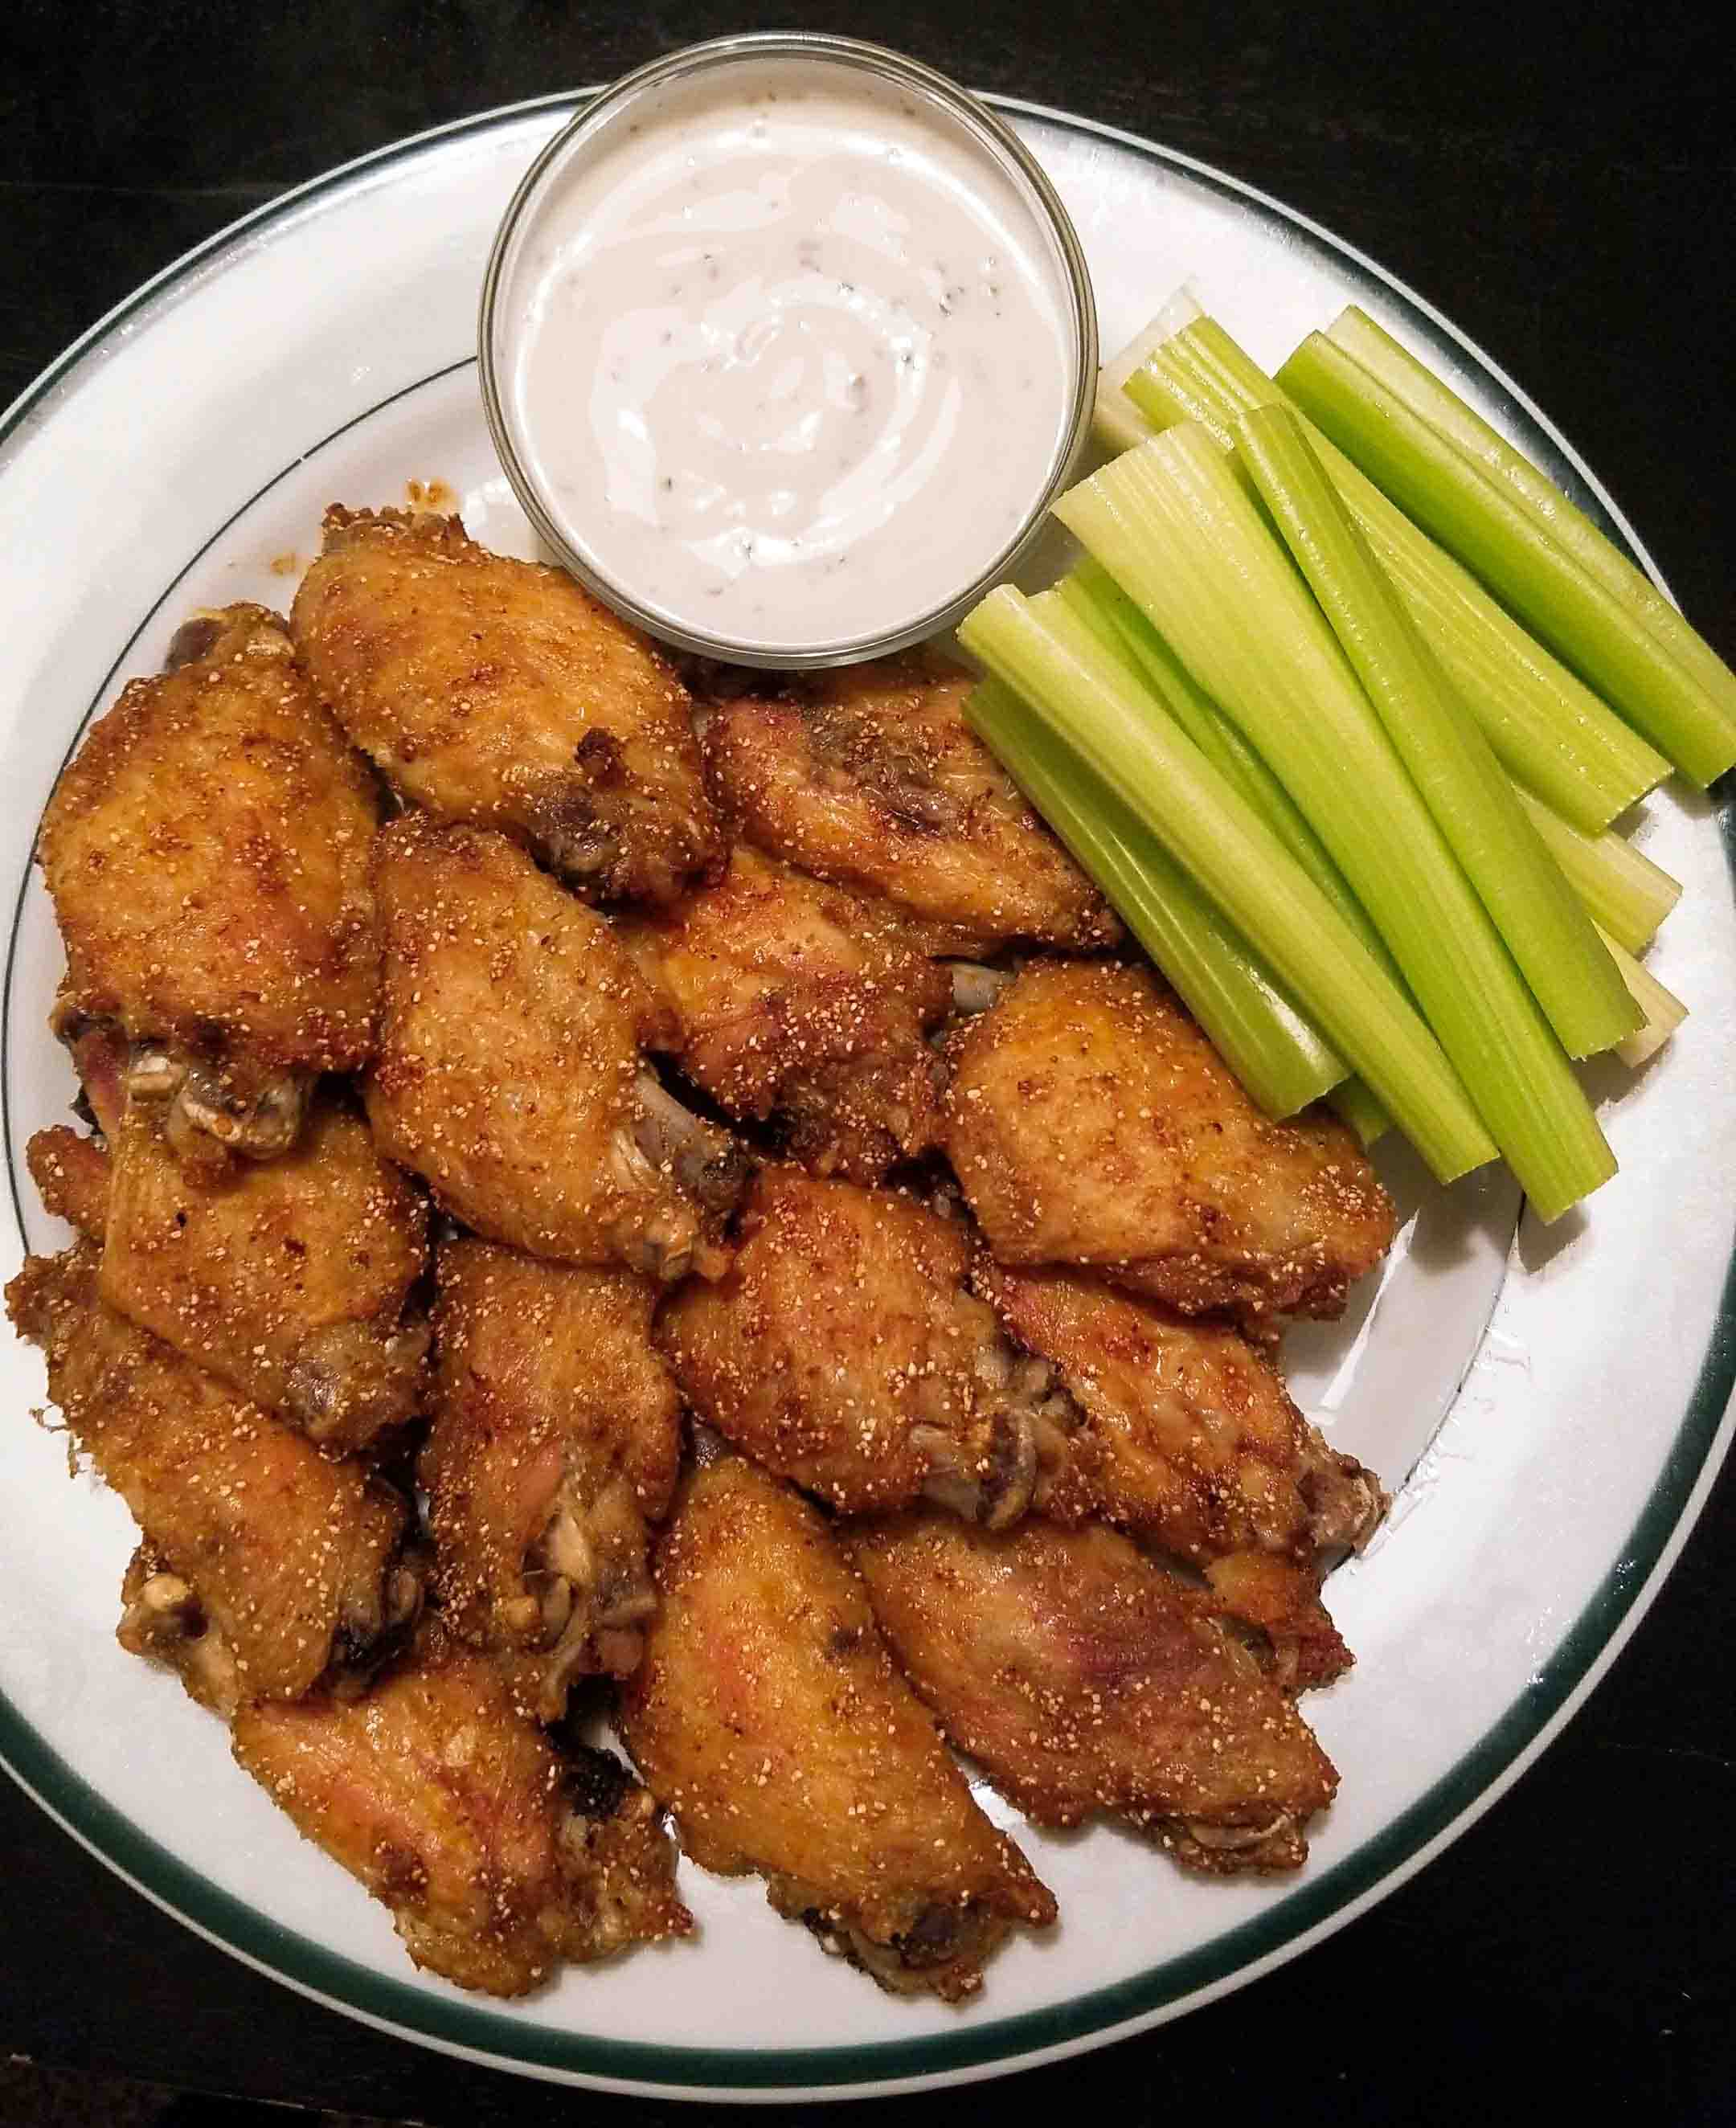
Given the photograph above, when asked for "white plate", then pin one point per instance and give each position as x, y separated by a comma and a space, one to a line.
179, 456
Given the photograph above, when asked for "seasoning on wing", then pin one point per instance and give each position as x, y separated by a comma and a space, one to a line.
290, 1278
843, 1349
802, 1002
294, 1559
768, 1716
498, 1857
1091, 1122
1192, 1443
869, 775
555, 1443
501, 692
1086, 1678
509, 1071
207, 850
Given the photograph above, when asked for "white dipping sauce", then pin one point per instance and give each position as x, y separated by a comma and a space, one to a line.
789, 357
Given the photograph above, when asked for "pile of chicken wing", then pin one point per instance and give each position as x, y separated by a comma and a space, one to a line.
605, 1191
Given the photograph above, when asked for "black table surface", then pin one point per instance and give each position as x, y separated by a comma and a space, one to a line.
1559, 182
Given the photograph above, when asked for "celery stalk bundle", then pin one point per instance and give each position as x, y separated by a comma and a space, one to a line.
1171, 522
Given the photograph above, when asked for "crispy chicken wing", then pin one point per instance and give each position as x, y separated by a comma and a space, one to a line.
801, 1002
556, 1439
510, 1072
768, 1717
207, 850
293, 1559
1192, 1443
498, 1857
1091, 1122
1086, 1678
870, 776
290, 1278
842, 1349
499, 691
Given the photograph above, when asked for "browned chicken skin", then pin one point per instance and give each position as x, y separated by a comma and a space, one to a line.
1086, 1678
1091, 1123
869, 775
497, 1858
769, 1718
1191, 1442
801, 1002
499, 691
207, 850
556, 1439
289, 1278
509, 1071
842, 1349
293, 1559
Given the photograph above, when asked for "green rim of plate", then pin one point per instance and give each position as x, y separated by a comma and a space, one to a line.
461, 2025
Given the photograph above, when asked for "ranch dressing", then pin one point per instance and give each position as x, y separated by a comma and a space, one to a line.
789, 357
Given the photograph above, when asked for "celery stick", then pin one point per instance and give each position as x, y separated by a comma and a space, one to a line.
1358, 1108
1534, 909
1100, 599
1664, 1011
1628, 895
1441, 407
1116, 423
1211, 830
1251, 1022
1172, 523
1455, 500
1548, 726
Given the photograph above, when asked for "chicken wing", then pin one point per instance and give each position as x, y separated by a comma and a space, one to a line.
801, 1002
499, 691
768, 1717
842, 1349
1086, 1678
510, 1073
290, 1278
555, 1443
869, 775
1091, 1122
498, 1857
293, 1559
1192, 1443
207, 850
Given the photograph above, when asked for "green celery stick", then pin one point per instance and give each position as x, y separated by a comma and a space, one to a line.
1455, 500
1664, 1011
1435, 402
1549, 729
1536, 912
1250, 1019
1358, 1108
1172, 523
1083, 692
1629, 896
1116, 423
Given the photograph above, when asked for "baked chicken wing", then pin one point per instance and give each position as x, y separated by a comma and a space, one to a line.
498, 1857
293, 1559
768, 1717
843, 1349
289, 1278
801, 1003
510, 1072
1091, 1122
1086, 1679
1192, 1444
499, 691
207, 850
869, 775
555, 1442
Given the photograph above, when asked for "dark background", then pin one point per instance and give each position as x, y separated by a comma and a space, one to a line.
1559, 180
